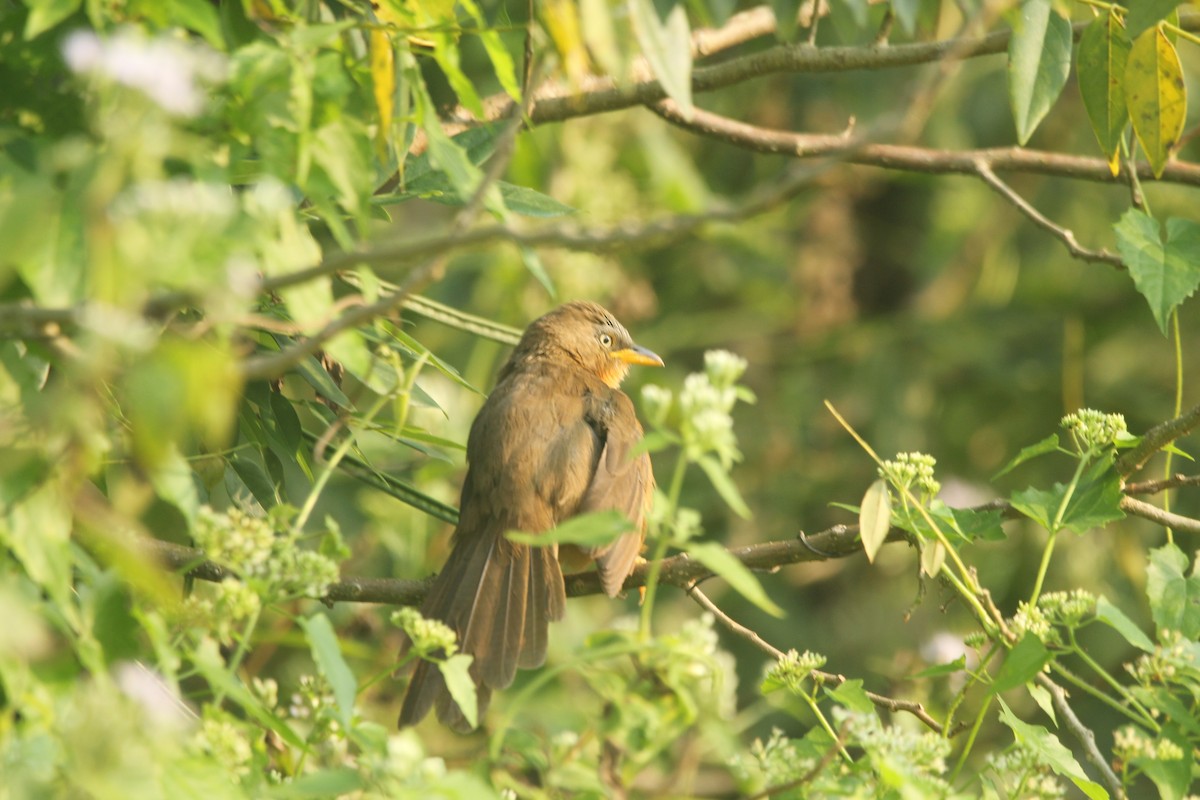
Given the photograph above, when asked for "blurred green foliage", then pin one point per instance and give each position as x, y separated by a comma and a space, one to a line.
172, 369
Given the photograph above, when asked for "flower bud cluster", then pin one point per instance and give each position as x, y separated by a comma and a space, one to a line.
428, 636
912, 471
1093, 429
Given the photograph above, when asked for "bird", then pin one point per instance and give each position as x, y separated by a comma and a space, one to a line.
556, 438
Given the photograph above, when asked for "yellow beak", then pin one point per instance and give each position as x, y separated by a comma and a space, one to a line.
637, 354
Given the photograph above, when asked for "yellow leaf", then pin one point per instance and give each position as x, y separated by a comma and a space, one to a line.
1156, 96
383, 77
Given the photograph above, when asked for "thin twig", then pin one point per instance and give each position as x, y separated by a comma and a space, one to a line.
889, 703
1083, 735
1176, 481
1140, 508
1066, 236
1156, 439
830, 754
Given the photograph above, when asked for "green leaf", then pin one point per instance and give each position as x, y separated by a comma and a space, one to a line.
588, 530
957, 665
735, 573
45, 14
1142, 14
533, 263
201, 17
1042, 697
1165, 272
1172, 777
1022, 664
456, 672
852, 695
501, 59
328, 656
1103, 54
667, 48
255, 477
1096, 501
724, 485
1174, 597
875, 517
334, 782
1052, 753
209, 663
1039, 62
1047, 445
1115, 618
787, 15
173, 481
1156, 96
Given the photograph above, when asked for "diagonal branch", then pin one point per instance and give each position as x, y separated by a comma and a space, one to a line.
855, 150
1021, 204
890, 703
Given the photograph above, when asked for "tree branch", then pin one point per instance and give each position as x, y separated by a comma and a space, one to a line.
1067, 237
910, 158
1083, 735
1156, 439
1140, 508
1176, 481
889, 703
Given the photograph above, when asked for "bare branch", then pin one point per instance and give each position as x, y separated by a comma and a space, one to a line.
1176, 481
1067, 237
1083, 735
855, 150
1156, 439
889, 703
1140, 508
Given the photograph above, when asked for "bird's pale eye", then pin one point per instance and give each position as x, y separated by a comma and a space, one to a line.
606, 340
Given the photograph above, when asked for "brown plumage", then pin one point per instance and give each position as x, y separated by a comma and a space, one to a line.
553, 440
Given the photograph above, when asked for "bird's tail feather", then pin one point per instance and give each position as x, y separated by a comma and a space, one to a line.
502, 624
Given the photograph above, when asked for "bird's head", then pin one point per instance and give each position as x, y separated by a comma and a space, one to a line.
589, 335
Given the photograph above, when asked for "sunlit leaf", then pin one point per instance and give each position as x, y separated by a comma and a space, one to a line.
1047, 445
852, 695
328, 655
1050, 751
667, 47
501, 59
735, 573
1156, 96
1165, 272
957, 665
333, 782
1022, 664
1039, 62
933, 556
1174, 595
724, 485
1115, 618
456, 672
875, 517
588, 530
1103, 54
45, 14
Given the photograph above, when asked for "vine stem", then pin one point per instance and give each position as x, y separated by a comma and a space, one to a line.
1056, 526
660, 550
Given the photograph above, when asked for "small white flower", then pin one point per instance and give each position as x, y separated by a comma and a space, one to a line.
169, 71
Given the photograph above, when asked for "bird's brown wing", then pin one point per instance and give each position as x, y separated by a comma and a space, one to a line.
621, 481
530, 454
